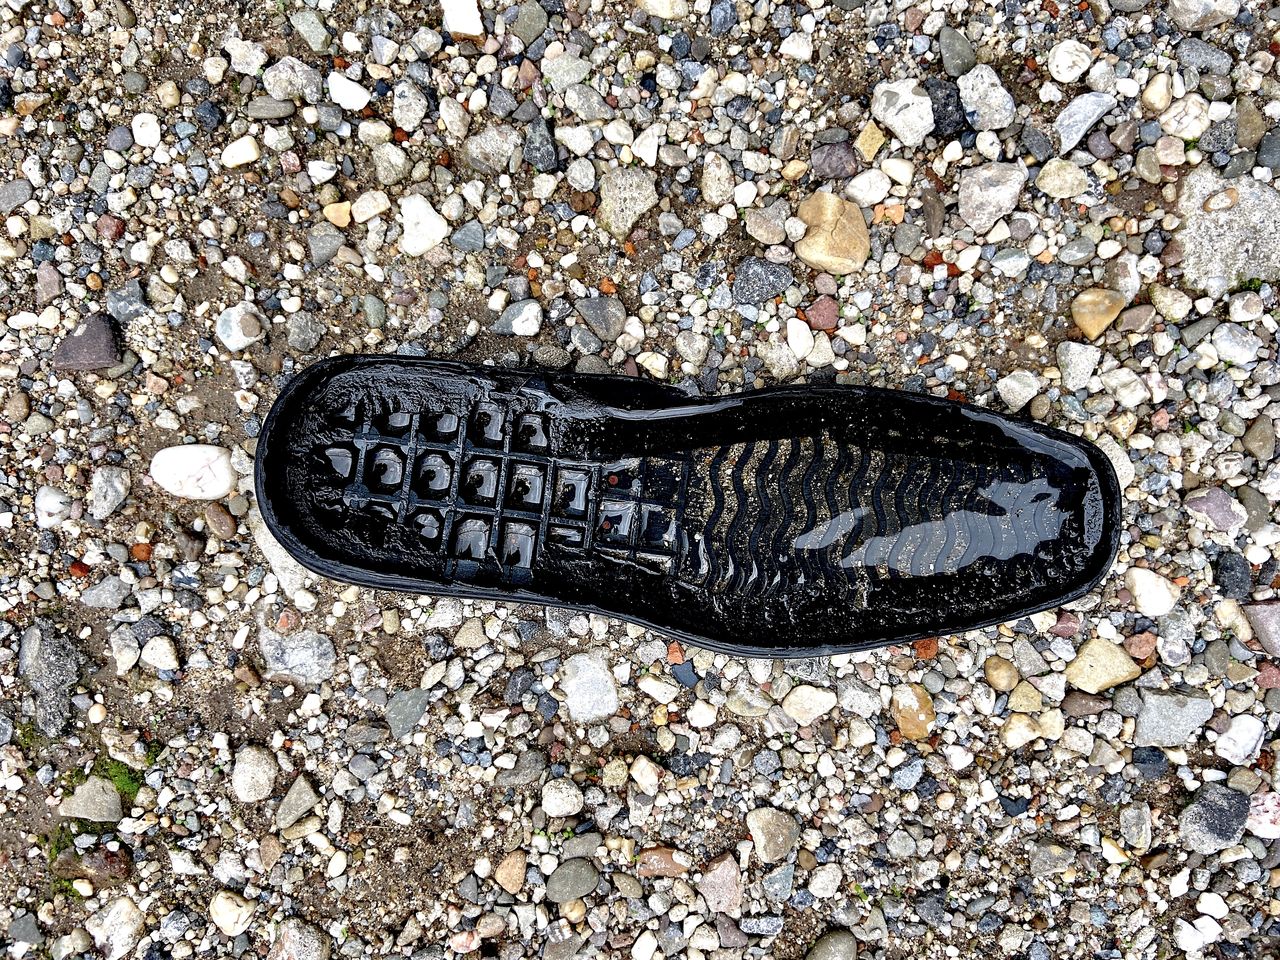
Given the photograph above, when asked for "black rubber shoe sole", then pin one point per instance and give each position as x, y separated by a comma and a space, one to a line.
794, 521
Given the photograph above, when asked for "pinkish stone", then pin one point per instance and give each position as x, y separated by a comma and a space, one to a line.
823, 314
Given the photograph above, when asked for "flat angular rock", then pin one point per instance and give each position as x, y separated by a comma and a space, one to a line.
13, 195
306, 658
626, 195
757, 281
1169, 718
774, 833
990, 192
96, 799
1215, 819
590, 691
905, 108
126, 303
405, 709
1101, 665
290, 78
1079, 117
606, 316
1202, 14
299, 801
90, 346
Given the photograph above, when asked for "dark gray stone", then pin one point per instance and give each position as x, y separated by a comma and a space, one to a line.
958, 57
571, 880
268, 108
759, 280
834, 161
324, 241
405, 709
469, 238
606, 316
1215, 819
539, 147
50, 662
1205, 57
304, 331
13, 195
948, 111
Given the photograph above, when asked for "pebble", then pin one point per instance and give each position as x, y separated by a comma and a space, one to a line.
1061, 179
626, 194
1153, 595
1100, 665
146, 130
91, 345
298, 940
912, 709
108, 490
1079, 117
1214, 820
346, 93
1095, 309
1169, 718
721, 885
194, 471
805, 703
424, 228
572, 879
774, 833
254, 774
240, 153
905, 108
230, 912
590, 691
239, 326
836, 238
990, 192
1068, 61
561, 798
958, 56
95, 800
987, 104
306, 658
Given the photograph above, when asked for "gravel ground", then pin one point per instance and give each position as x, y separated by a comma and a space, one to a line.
1061, 210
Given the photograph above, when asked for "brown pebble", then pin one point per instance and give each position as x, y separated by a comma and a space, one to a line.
220, 521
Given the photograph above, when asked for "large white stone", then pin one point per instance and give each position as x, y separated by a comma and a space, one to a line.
665, 9
1153, 595
230, 912
905, 108
239, 153
462, 17
1242, 740
194, 471
346, 93
423, 227
1068, 60
146, 130
116, 928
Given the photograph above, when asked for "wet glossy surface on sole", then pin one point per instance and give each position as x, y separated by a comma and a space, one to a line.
783, 522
